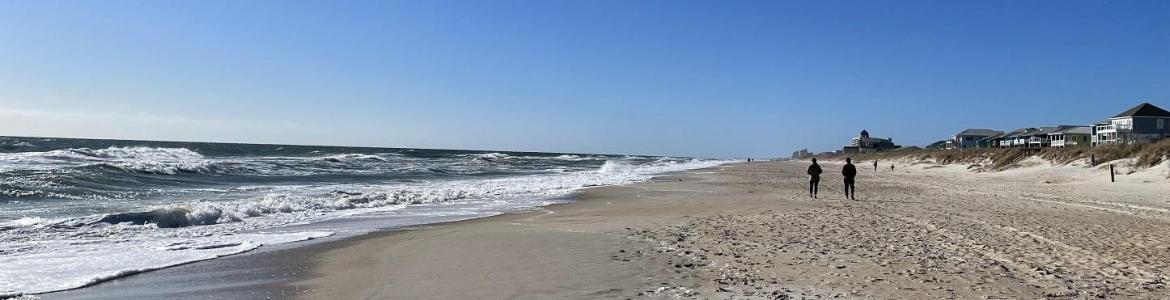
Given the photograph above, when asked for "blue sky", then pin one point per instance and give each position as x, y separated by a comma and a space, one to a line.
711, 78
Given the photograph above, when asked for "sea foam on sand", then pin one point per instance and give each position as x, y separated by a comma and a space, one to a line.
81, 262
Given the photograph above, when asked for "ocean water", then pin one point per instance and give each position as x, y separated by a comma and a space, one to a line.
74, 212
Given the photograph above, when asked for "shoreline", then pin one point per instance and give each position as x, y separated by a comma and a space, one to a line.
236, 276
749, 230
432, 256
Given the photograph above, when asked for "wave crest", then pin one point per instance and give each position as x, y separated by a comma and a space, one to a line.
494, 156
139, 153
324, 199
615, 167
352, 157
84, 156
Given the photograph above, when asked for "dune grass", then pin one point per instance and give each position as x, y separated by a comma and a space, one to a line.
1144, 155
1153, 154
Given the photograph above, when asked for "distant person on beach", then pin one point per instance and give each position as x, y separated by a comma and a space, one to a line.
849, 171
814, 178
891, 167
875, 165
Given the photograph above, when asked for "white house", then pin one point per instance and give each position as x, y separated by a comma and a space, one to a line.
1070, 136
1144, 123
1039, 138
1017, 138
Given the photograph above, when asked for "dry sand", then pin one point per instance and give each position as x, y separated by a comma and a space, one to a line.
750, 230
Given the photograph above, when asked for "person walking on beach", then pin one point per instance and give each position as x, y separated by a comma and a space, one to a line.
875, 165
849, 171
814, 178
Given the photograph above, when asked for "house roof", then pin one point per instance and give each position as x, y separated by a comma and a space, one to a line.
1144, 110
979, 132
871, 140
994, 136
1019, 132
1075, 130
1043, 131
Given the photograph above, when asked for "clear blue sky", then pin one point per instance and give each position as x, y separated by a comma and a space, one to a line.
713, 78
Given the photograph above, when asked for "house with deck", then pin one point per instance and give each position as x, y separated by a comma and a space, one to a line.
1070, 136
1144, 123
990, 141
970, 138
1005, 141
1039, 138
1017, 138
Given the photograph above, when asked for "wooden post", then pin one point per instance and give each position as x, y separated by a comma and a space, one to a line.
1111, 178
1092, 159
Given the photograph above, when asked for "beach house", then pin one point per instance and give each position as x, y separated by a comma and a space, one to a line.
1039, 138
863, 143
970, 138
991, 141
1144, 123
1070, 136
1017, 138
1004, 140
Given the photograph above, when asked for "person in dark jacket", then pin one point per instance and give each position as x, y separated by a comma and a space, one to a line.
814, 178
849, 171
875, 165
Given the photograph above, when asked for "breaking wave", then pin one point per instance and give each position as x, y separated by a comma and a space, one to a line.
347, 158
334, 198
494, 156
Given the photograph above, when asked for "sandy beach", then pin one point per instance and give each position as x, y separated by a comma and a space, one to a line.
923, 231
196, 150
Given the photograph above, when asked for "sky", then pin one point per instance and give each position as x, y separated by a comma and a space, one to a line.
693, 78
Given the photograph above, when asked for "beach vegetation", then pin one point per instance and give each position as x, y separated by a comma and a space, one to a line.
1143, 155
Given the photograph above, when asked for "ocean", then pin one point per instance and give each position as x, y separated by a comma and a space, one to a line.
74, 212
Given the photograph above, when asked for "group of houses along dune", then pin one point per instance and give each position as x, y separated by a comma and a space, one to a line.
1144, 123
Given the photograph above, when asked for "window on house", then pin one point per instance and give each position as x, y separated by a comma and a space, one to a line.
1161, 124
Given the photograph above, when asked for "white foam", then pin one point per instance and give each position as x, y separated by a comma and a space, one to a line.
26, 222
330, 198
171, 161
61, 264
142, 153
353, 157
616, 167
132, 158
489, 156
